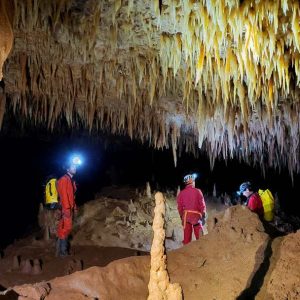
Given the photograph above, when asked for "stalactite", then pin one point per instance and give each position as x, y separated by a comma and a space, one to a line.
222, 77
2, 105
6, 31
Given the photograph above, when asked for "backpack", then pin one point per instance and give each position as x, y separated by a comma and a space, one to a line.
51, 194
268, 204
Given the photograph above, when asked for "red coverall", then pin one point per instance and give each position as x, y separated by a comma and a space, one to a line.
255, 204
191, 206
66, 188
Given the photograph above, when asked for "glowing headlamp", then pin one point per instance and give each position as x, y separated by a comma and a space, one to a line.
195, 175
76, 160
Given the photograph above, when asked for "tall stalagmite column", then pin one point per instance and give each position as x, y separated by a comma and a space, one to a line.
6, 32
159, 285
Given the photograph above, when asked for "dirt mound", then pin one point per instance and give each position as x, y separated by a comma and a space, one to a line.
125, 223
221, 265
113, 222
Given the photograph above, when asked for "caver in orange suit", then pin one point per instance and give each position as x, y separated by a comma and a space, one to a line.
66, 189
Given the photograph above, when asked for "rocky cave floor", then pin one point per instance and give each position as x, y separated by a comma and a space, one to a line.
237, 259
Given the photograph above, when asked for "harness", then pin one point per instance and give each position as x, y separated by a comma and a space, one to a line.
190, 211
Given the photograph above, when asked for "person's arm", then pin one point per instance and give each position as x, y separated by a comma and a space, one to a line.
202, 204
75, 205
63, 194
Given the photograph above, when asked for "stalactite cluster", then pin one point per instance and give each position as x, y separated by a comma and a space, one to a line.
216, 76
6, 33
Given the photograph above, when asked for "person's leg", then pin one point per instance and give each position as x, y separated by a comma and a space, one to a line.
197, 228
187, 233
63, 231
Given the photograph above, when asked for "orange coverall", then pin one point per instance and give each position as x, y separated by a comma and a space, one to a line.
66, 189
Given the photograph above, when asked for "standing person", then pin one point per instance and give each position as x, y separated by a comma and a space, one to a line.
66, 189
254, 202
191, 208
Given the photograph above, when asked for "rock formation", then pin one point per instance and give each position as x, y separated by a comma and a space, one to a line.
36, 269
159, 285
16, 263
6, 32
125, 223
189, 75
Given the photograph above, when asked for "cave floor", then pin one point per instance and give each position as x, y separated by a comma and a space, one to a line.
81, 257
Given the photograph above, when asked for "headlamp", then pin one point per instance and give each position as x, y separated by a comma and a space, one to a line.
76, 160
195, 175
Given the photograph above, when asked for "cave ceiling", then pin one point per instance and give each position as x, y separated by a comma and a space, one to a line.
218, 76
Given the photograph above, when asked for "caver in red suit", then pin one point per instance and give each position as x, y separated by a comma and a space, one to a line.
191, 208
254, 203
66, 188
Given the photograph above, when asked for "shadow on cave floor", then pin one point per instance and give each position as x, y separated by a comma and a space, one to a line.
10, 295
259, 276
2, 288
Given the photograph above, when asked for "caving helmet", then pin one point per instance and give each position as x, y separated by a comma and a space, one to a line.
189, 178
72, 163
243, 187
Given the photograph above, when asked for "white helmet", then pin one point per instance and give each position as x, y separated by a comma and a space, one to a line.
189, 178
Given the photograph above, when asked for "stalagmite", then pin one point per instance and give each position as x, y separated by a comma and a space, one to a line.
214, 193
159, 285
26, 267
131, 209
36, 267
16, 263
148, 190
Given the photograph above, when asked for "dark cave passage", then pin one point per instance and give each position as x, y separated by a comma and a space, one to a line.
112, 160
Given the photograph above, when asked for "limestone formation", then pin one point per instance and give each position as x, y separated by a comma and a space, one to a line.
74, 265
159, 285
26, 267
131, 209
148, 190
125, 223
6, 32
35, 291
194, 76
16, 263
214, 193
36, 267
